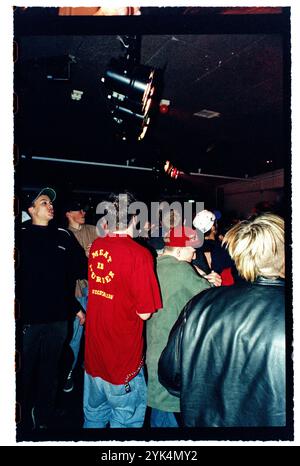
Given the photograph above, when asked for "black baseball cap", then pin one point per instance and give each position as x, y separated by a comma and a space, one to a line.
73, 205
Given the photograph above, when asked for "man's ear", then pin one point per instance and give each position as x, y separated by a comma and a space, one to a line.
30, 210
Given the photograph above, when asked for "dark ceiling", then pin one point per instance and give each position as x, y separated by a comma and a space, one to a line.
240, 70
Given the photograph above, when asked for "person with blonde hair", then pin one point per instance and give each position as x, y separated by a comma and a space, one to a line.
225, 357
257, 246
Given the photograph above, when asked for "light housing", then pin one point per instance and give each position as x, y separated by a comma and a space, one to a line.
130, 90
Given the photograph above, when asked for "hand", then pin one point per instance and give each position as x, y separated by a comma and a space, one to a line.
87, 251
81, 316
214, 278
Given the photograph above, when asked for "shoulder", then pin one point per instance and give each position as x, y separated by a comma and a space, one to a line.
26, 225
88, 227
64, 232
67, 237
92, 232
138, 255
170, 262
140, 252
259, 302
224, 294
187, 270
99, 242
185, 266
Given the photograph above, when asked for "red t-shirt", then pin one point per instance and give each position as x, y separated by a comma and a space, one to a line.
122, 282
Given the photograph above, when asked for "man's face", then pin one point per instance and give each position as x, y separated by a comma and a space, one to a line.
77, 216
42, 210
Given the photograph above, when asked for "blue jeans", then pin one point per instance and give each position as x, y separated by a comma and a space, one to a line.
77, 328
76, 339
105, 403
160, 418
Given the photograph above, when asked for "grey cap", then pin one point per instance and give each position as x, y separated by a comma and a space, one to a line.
47, 192
31, 198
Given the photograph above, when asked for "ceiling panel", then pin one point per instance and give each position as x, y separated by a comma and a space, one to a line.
242, 76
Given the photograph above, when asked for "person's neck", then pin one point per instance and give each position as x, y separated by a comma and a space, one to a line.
169, 253
75, 225
40, 223
127, 232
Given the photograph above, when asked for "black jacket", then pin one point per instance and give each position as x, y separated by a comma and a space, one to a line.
51, 259
226, 356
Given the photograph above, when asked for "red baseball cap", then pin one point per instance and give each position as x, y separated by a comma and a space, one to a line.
182, 237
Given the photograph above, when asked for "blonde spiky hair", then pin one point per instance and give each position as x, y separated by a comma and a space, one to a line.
257, 246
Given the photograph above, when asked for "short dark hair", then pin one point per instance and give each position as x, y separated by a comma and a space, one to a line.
123, 218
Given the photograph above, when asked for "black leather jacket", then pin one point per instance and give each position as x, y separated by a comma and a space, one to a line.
225, 356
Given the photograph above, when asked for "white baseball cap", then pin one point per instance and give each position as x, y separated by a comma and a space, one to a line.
204, 220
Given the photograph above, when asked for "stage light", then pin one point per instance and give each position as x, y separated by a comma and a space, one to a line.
130, 89
172, 171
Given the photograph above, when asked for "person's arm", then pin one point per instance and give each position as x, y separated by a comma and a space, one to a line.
145, 287
169, 364
200, 271
214, 278
200, 262
87, 251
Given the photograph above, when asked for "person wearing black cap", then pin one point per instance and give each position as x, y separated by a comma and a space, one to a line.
50, 262
85, 235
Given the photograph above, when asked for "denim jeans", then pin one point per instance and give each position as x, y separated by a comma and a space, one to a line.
107, 404
160, 418
77, 328
76, 339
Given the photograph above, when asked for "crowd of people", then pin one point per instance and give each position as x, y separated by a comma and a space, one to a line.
211, 312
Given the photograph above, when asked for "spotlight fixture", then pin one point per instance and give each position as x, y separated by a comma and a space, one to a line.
130, 90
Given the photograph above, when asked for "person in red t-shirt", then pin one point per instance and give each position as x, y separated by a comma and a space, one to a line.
123, 292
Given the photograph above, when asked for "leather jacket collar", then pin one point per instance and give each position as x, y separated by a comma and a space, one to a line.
277, 281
